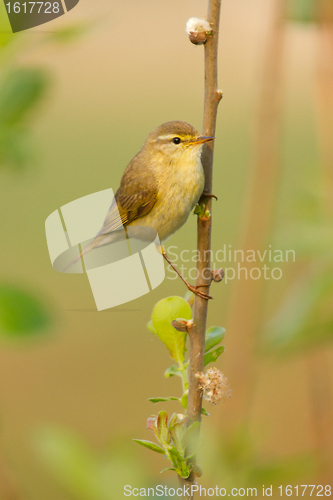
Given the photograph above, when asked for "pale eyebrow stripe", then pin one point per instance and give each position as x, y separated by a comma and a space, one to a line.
167, 137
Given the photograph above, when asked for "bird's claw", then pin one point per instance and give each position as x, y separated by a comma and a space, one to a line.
194, 289
205, 194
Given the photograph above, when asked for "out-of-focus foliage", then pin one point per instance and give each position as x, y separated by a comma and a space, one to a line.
6, 36
20, 92
21, 314
235, 459
303, 11
309, 11
85, 474
69, 33
22, 89
305, 316
310, 228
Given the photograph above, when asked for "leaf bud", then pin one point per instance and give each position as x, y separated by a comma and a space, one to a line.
198, 30
217, 275
182, 325
207, 215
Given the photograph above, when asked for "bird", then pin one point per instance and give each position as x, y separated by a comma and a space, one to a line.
159, 188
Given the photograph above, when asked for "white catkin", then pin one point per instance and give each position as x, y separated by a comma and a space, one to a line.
196, 25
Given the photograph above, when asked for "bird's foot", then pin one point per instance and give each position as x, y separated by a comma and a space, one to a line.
201, 209
205, 194
194, 289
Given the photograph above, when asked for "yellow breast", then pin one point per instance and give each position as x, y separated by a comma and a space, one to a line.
179, 189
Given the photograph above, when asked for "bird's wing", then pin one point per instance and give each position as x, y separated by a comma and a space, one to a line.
128, 207
135, 197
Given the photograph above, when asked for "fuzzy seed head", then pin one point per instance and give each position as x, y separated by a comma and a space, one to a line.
215, 385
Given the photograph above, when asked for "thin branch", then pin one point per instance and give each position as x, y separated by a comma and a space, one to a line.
212, 99
200, 310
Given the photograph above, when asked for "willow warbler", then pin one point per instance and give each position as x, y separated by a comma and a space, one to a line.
160, 186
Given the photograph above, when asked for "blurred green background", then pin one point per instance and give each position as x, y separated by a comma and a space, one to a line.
78, 97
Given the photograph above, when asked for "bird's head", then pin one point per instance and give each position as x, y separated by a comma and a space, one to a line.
175, 141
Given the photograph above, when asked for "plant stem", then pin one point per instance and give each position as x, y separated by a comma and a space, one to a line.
184, 375
197, 333
200, 308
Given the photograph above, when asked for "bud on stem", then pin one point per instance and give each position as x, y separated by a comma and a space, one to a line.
198, 30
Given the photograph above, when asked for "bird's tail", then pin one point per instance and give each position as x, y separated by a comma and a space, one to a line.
98, 241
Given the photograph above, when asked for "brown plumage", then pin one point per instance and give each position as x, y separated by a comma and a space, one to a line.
160, 185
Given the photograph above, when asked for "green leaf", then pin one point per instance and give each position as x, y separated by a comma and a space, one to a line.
185, 472
173, 419
212, 356
199, 210
177, 429
150, 445
162, 427
21, 314
159, 400
214, 335
197, 470
174, 370
20, 92
168, 468
177, 432
191, 430
176, 458
204, 412
191, 439
184, 399
166, 311
189, 297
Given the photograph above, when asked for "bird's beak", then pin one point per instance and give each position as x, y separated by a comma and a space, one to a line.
201, 140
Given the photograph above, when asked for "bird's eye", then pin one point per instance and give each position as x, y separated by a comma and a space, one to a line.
176, 140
